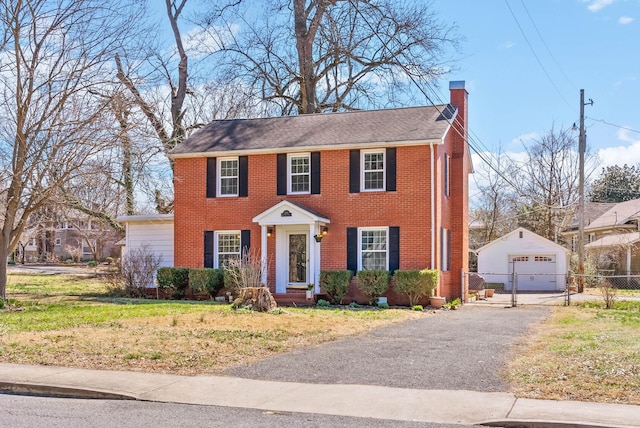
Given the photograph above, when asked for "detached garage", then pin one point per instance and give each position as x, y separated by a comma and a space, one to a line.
540, 265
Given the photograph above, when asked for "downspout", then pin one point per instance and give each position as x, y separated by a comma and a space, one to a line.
433, 210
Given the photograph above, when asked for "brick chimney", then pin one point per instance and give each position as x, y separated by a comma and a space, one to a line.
460, 168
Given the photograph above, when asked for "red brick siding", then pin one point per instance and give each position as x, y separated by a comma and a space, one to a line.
409, 207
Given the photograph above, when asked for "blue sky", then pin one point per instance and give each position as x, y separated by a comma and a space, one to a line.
519, 92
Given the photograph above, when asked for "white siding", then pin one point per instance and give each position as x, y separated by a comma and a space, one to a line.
156, 235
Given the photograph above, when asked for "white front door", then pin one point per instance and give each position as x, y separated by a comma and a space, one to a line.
292, 258
298, 259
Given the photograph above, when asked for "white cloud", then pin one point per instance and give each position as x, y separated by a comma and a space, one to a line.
521, 139
596, 5
508, 45
624, 154
625, 20
202, 42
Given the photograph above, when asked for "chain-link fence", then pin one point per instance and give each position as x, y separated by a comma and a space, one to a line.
539, 288
620, 282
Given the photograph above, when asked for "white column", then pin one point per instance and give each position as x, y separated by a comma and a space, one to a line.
313, 250
263, 254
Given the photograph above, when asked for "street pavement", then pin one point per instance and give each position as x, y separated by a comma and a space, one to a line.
377, 389
418, 405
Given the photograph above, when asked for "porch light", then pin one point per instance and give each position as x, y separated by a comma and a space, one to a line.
269, 232
325, 230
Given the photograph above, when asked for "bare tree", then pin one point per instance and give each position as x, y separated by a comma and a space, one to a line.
548, 183
53, 54
168, 138
495, 206
344, 54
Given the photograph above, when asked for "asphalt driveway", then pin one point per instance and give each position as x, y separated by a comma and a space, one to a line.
463, 349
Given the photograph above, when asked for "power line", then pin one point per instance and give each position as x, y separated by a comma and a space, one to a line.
547, 46
626, 128
536, 55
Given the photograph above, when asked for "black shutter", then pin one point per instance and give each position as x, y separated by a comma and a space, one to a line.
391, 169
243, 176
245, 241
354, 171
208, 249
315, 173
211, 177
282, 174
352, 249
394, 248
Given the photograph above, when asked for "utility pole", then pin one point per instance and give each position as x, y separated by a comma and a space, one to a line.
581, 149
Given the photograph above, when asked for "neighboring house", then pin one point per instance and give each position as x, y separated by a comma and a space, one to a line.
541, 264
63, 237
595, 216
152, 233
385, 189
612, 239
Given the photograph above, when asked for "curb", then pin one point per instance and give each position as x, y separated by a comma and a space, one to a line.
547, 424
61, 391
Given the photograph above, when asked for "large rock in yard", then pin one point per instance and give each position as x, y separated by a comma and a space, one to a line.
255, 298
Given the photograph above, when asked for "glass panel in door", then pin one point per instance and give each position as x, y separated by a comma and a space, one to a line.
298, 258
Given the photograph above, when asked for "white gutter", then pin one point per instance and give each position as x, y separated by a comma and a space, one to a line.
433, 213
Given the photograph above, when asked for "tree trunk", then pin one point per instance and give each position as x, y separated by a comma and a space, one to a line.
4, 256
255, 298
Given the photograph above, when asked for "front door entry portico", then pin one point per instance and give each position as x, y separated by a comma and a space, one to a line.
297, 259
297, 256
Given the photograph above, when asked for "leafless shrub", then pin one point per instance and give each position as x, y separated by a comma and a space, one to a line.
75, 252
244, 272
608, 291
136, 272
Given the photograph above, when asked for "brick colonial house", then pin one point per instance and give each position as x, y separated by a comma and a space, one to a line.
383, 189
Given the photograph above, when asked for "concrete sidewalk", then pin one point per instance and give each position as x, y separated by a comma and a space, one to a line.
438, 406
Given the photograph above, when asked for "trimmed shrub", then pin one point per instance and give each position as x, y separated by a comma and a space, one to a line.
415, 283
92, 263
206, 279
335, 283
372, 283
174, 279
323, 303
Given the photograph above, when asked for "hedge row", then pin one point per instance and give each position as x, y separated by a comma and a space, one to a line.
177, 280
374, 283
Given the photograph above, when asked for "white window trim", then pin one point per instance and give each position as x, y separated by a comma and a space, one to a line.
367, 229
86, 245
216, 253
289, 174
444, 255
384, 170
58, 242
219, 176
447, 174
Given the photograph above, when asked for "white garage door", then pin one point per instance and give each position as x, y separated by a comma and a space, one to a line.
535, 272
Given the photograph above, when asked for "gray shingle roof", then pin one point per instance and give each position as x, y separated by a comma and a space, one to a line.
412, 124
617, 215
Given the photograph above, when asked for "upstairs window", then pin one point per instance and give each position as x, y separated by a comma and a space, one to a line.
373, 172
228, 177
299, 173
